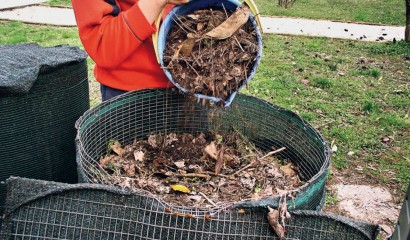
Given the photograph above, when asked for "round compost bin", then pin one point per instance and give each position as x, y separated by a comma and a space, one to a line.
137, 114
43, 91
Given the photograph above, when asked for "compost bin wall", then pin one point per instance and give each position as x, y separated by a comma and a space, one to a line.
137, 114
48, 210
37, 128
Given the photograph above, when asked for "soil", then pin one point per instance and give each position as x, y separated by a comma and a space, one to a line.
199, 170
210, 65
360, 196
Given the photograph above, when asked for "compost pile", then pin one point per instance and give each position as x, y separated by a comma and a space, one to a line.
212, 52
199, 170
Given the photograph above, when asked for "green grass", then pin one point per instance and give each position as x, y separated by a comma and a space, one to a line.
353, 104
372, 11
59, 3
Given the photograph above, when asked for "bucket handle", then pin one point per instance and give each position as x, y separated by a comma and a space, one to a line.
251, 4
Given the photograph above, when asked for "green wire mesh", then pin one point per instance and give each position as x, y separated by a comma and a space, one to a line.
37, 129
137, 114
47, 210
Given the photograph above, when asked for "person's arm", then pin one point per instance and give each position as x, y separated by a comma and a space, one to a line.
110, 36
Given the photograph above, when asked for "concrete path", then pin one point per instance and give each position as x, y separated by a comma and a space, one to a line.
277, 25
41, 15
322, 28
8, 4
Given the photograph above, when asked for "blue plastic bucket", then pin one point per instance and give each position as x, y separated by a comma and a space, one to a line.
188, 9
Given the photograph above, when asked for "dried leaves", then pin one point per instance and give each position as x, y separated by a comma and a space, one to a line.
232, 24
273, 218
199, 170
210, 53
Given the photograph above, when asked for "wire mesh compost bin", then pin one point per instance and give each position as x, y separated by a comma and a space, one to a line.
43, 91
137, 114
48, 210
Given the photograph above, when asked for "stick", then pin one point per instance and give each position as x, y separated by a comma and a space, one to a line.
273, 152
192, 175
239, 44
208, 199
253, 162
220, 175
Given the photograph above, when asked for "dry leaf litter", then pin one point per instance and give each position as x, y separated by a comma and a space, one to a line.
212, 52
199, 170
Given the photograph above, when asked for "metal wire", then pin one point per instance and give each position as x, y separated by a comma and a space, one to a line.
137, 114
98, 212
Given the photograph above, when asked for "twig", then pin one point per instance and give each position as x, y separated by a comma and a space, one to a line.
254, 162
239, 44
208, 199
220, 175
192, 68
192, 175
271, 153
223, 6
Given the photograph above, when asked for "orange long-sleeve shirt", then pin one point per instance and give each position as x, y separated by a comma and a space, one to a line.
117, 36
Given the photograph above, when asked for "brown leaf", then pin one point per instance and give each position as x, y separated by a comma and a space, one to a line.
130, 170
139, 156
180, 164
187, 46
116, 147
211, 150
105, 160
219, 160
232, 24
152, 140
200, 26
273, 218
287, 169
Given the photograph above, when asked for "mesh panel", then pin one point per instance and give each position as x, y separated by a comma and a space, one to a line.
37, 129
98, 212
137, 114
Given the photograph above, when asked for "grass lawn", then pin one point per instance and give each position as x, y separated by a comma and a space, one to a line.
356, 93
372, 11
59, 3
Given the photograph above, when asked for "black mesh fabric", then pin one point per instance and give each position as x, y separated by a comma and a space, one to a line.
20, 64
47, 210
136, 114
37, 128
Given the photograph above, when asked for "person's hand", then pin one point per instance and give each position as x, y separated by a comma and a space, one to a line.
152, 8
177, 2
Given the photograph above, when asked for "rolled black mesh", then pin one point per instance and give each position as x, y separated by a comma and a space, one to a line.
37, 129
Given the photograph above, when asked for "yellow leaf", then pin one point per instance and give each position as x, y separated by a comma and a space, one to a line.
180, 188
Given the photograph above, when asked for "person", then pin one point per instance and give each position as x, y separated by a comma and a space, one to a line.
116, 34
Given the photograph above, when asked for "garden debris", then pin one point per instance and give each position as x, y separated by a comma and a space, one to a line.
200, 170
273, 218
180, 188
230, 25
212, 51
